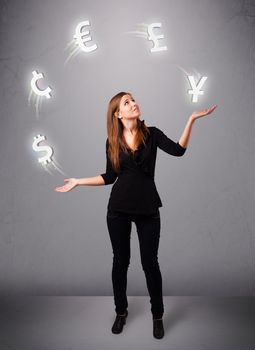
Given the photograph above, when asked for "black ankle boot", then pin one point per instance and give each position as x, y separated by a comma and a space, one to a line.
158, 328
119, 323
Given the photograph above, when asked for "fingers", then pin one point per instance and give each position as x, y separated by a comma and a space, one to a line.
209, 110
58, 189
66, 187
213, 107
61, 189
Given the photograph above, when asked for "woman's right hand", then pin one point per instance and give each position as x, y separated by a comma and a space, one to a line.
70, 184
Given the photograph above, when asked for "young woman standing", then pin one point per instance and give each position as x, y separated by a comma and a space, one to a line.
131, 149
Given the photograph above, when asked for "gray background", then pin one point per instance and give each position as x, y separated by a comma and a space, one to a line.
57, 243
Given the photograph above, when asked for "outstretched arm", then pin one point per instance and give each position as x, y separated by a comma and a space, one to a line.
184, 139
104, 179
91, 181
73, 182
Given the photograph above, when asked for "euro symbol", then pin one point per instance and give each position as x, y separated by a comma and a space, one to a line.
83, 37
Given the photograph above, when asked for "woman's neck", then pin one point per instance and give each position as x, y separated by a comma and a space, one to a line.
130, 127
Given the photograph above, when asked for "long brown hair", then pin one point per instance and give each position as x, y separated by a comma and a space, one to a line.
115, 131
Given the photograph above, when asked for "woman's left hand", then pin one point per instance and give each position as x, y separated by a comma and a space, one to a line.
198, 114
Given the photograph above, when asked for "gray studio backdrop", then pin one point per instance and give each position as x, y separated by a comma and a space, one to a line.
57, 243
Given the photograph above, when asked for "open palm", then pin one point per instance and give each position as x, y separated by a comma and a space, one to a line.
203, 112
70, 184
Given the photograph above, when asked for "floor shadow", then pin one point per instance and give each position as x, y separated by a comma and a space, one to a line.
178, 311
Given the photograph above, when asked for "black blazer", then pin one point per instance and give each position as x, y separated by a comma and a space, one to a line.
135, 190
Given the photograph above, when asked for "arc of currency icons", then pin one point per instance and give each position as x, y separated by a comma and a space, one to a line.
81, 43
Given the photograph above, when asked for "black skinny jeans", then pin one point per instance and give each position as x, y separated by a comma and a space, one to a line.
148, 230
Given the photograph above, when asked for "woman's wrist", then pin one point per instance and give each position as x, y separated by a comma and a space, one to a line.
191, 119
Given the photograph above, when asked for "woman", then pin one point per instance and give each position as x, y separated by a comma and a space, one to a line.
131, 149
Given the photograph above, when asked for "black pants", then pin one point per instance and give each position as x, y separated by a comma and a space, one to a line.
148, 230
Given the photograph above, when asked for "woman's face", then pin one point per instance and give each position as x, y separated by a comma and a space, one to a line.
128, 108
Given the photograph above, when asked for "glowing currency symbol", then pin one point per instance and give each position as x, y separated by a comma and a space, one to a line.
83, 36
36, 77
155, 38
49, 151
196, 89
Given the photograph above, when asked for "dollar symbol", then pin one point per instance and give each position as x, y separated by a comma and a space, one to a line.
36, 77
155, 38
83, 36
49, 151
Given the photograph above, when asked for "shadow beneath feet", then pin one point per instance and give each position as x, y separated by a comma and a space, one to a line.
176, 314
